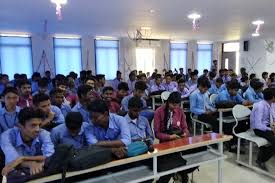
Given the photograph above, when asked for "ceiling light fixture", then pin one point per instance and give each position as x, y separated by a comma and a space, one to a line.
152, 11
195, 20
58, 4
258, 23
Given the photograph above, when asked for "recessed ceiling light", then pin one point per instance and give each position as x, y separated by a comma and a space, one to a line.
194, 16
152, 11
255, 34
258, 22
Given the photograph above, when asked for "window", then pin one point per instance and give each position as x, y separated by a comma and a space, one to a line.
16, 55
106, 55
145, 59
204, 57
178, 55
67, 55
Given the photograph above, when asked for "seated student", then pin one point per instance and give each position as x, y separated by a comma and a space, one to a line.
52, 114
42, 87
244, 84
230, 96
108, 130
262, 118
182, 89
205, 73
226, 77
9, 113
85, 96
57, 99
91, 81
142, 77
170, 124
212, 77
25, 99
138, 125
140, 87
73, 132
107, 95
167, 84
254, 91
62, 85
200, 104
252, 76
132, 81
264, 79
157, 86
122, 91
192, 82
117, 80
100, 83
34, 81
28, 145
217, 86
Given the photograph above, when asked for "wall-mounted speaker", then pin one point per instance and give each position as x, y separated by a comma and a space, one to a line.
245, 45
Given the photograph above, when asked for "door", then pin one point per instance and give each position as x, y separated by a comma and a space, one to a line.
228, 60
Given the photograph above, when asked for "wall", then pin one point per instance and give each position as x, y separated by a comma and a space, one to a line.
257, 59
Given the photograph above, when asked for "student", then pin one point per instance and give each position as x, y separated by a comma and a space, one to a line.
212, 77
182, 89
192, 82
200, 104
188, 75
170, 124
52, 114
254, 91
252, 76
122, 91
230, 95
4, 82
117, 80
138, 125
9, 113
214, 65
157, 86
85, 96
100, 82
244, 84
108, 130
42, 87
73, 132
217, 86
167, 84
261, 119
25, 99
57, 99
264, 79
226, 77
132, 81
205, 73
34, 81
27, 144
91, 81
107, 95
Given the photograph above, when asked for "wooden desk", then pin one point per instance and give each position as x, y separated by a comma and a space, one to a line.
142, 173
154, 97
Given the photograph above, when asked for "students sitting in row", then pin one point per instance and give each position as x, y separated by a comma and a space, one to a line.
42, 87
262, 121
52, 114
254, 92
25, 99
9, 113
167, 84
217, 86
27, 145
192, 82
182, 89
157, 86
73, 132
57, 99
122, 91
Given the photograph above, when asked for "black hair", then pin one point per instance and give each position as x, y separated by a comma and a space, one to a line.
256, 84
269, 93
204, 82
219, 80
196, 72
205, 70
212, 74
61, 82
43, 82
264, 73
118, 72
135, 102
107, 88
132, 73
10, 89
181, 81
29, 113
179, 76
40, 97
252, 76
100, 76
193, 74
99, 106
140, 85
90, 78
55, 91
16, 76
123, 86
83, 90
73, 120
158, 76
243, 79
23, 82
167, 74
233, 84
36, 75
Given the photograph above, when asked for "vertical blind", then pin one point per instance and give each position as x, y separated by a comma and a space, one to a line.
178, 56
204, 57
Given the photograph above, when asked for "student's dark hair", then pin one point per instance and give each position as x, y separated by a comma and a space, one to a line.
61, 82
158, 76
99, 106
219, 80
243, 79
16, 76
55, 91
264, 73
181, 81
256, 84
107, 88
204, 82
100, 76
193, 74
196, 72
174, 98
10, 89
23, 82
132, 73
36, 74
123, 86
43, 82
269, 93
118, 72
40, 97
179, 76
83, 90
140, 85
233, 84
73, 120
29, 113
167, 74
135, 102
205, 70
212, 74
252, 76
90, 78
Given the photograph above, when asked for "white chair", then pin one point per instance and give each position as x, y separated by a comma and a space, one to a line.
239, 112
213, 98
195, 120
164, 96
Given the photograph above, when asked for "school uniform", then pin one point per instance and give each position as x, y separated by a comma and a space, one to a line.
252, 96
8, 119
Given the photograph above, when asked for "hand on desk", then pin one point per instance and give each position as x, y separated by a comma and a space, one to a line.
174, 137
119, 152
36, 167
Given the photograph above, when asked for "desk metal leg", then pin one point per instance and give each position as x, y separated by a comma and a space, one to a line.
155, 166
153, 103
220, 164
220, 122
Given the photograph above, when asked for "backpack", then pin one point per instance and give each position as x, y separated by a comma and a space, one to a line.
136, 148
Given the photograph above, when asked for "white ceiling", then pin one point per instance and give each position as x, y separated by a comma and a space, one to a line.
221, 19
